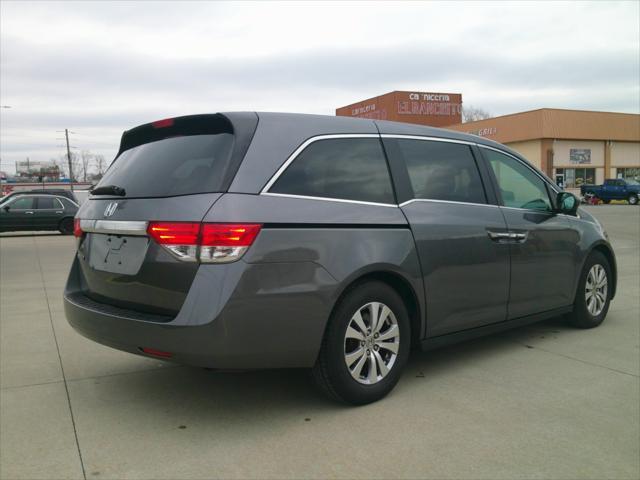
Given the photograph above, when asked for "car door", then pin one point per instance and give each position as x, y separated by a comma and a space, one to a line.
48, 212
541, 241
466, 274
18, 213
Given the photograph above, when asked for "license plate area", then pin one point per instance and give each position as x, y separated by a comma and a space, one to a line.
112, 253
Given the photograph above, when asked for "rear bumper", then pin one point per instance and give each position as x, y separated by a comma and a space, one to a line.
235, 316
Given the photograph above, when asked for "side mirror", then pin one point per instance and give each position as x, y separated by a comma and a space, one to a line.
567, 203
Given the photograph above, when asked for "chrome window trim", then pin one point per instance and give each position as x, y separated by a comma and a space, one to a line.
304, 145
329, 199
430, 200
115, 227
430, 139
309, 141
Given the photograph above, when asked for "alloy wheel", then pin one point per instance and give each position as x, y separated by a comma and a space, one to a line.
371, 343
596, 290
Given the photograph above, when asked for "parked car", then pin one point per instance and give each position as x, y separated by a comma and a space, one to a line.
247, 241
41, 211
614, 189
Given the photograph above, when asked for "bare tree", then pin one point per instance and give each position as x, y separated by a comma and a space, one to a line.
85, 157
100, 163
471, 114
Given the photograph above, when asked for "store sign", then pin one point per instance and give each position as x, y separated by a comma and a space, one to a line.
485, 132
580, 155
429, 104
363, 109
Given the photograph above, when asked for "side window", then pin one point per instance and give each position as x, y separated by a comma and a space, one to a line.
519, 186
24, 203
48, 203
343, 168
442, 171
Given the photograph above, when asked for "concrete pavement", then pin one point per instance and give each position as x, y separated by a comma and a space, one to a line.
545, 401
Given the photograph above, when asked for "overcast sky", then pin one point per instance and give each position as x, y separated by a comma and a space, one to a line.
99, 68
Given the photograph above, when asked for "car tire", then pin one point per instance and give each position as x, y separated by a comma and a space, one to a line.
66, 226
345, 341
606, 201
591, 304
633, 199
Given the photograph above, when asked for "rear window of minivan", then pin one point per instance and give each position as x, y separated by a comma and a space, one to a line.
172, 166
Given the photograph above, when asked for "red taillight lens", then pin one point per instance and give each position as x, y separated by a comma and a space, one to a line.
229, 234
167, 122
77, 229
174, 233
206, 242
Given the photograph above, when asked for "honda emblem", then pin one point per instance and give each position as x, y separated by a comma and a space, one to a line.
111, 208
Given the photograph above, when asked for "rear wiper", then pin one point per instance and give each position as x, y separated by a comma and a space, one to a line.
109, 190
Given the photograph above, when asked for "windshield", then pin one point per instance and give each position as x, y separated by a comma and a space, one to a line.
632, 182
173, 166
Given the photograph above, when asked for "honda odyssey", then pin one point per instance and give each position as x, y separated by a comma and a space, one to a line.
266, 240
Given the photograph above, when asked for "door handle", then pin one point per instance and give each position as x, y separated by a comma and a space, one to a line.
28, 213
59, 212
497, 236
507, 236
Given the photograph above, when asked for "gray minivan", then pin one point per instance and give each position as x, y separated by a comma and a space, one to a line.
266, 240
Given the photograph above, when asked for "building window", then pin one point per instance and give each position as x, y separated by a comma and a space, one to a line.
574, 177
628, 174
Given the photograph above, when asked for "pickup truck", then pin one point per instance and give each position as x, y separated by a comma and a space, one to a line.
614, 189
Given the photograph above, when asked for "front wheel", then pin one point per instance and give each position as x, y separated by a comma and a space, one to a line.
591, 304
633, 199
366, 345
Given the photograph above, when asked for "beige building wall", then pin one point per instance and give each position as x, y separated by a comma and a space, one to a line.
625, 154
561, 151
531, 150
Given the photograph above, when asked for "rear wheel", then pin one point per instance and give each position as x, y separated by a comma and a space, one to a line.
366, 345
66, 226
591, 304
633, 199
606, 201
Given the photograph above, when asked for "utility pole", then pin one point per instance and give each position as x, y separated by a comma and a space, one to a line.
66, 136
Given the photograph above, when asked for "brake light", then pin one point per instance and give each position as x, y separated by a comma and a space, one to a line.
77, 229
206, 242
167, 122
174, 233
229, 235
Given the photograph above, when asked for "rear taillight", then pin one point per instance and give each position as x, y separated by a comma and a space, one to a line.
226, 242
167, 122
206, 242
77, 229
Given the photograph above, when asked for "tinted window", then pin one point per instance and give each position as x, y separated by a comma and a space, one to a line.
173, 166
344, 168
442, 171
24, 203
519, 185
48, 203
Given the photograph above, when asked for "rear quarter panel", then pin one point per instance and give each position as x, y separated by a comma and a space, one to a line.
345, 240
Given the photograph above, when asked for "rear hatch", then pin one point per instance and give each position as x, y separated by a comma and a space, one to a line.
172, 170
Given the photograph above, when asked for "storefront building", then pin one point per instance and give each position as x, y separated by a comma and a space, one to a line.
423, 108
571, 146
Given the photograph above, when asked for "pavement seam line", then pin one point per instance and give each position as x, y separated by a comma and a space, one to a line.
64, 378
577, 359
